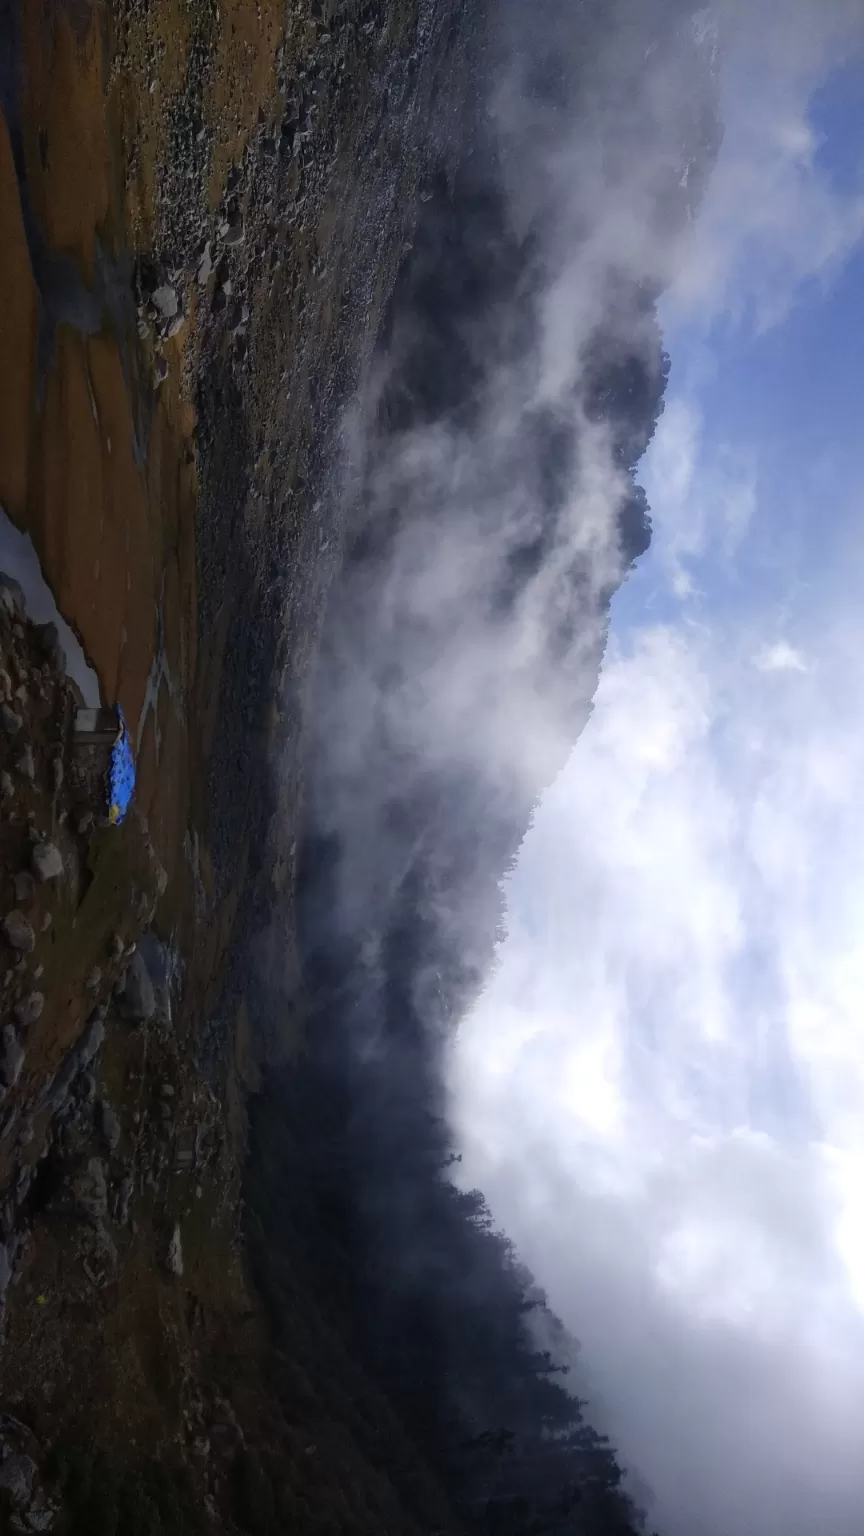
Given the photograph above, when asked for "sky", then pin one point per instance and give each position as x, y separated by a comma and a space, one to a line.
661, 1089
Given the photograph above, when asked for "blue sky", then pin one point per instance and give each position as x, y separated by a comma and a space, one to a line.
663, 1087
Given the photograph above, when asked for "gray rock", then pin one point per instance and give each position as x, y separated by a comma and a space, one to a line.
205, 266
11, 1056
56, 1090
11, 597
90, 1190
57, 773
7, 788
165, 300
10, 721
5, 1271
17, 1476
84, 823
49, 639
25, 886
124, 1198
90, 1041
109, 1126
160, 371
40, 1518
48, 636
234, 235
18, 932
26, 766
29, 1009
175, 1253
137, 999
47, 861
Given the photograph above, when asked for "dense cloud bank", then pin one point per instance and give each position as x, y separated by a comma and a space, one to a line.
492, 512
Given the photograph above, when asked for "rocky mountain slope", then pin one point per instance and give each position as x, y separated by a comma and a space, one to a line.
221, 226
204, 209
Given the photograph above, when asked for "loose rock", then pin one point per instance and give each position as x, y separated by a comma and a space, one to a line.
25, 886
175, 1253
90, 1041
17, 1475
29, 1009
47, 861
124, 1198
165, 300
41, 1518
205, 266
109, 1126
10, 720
11, 597
90, 1190
18, 932
137, 997
26, 766
11, 1057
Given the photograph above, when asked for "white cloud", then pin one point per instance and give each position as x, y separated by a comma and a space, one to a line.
780, 656
773, 219
663, 1087
707, 503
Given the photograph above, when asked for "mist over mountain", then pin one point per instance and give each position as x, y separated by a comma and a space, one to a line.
492, 509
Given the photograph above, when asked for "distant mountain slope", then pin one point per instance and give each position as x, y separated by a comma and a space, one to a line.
494, 512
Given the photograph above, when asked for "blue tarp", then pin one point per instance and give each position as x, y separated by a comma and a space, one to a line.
121, 774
